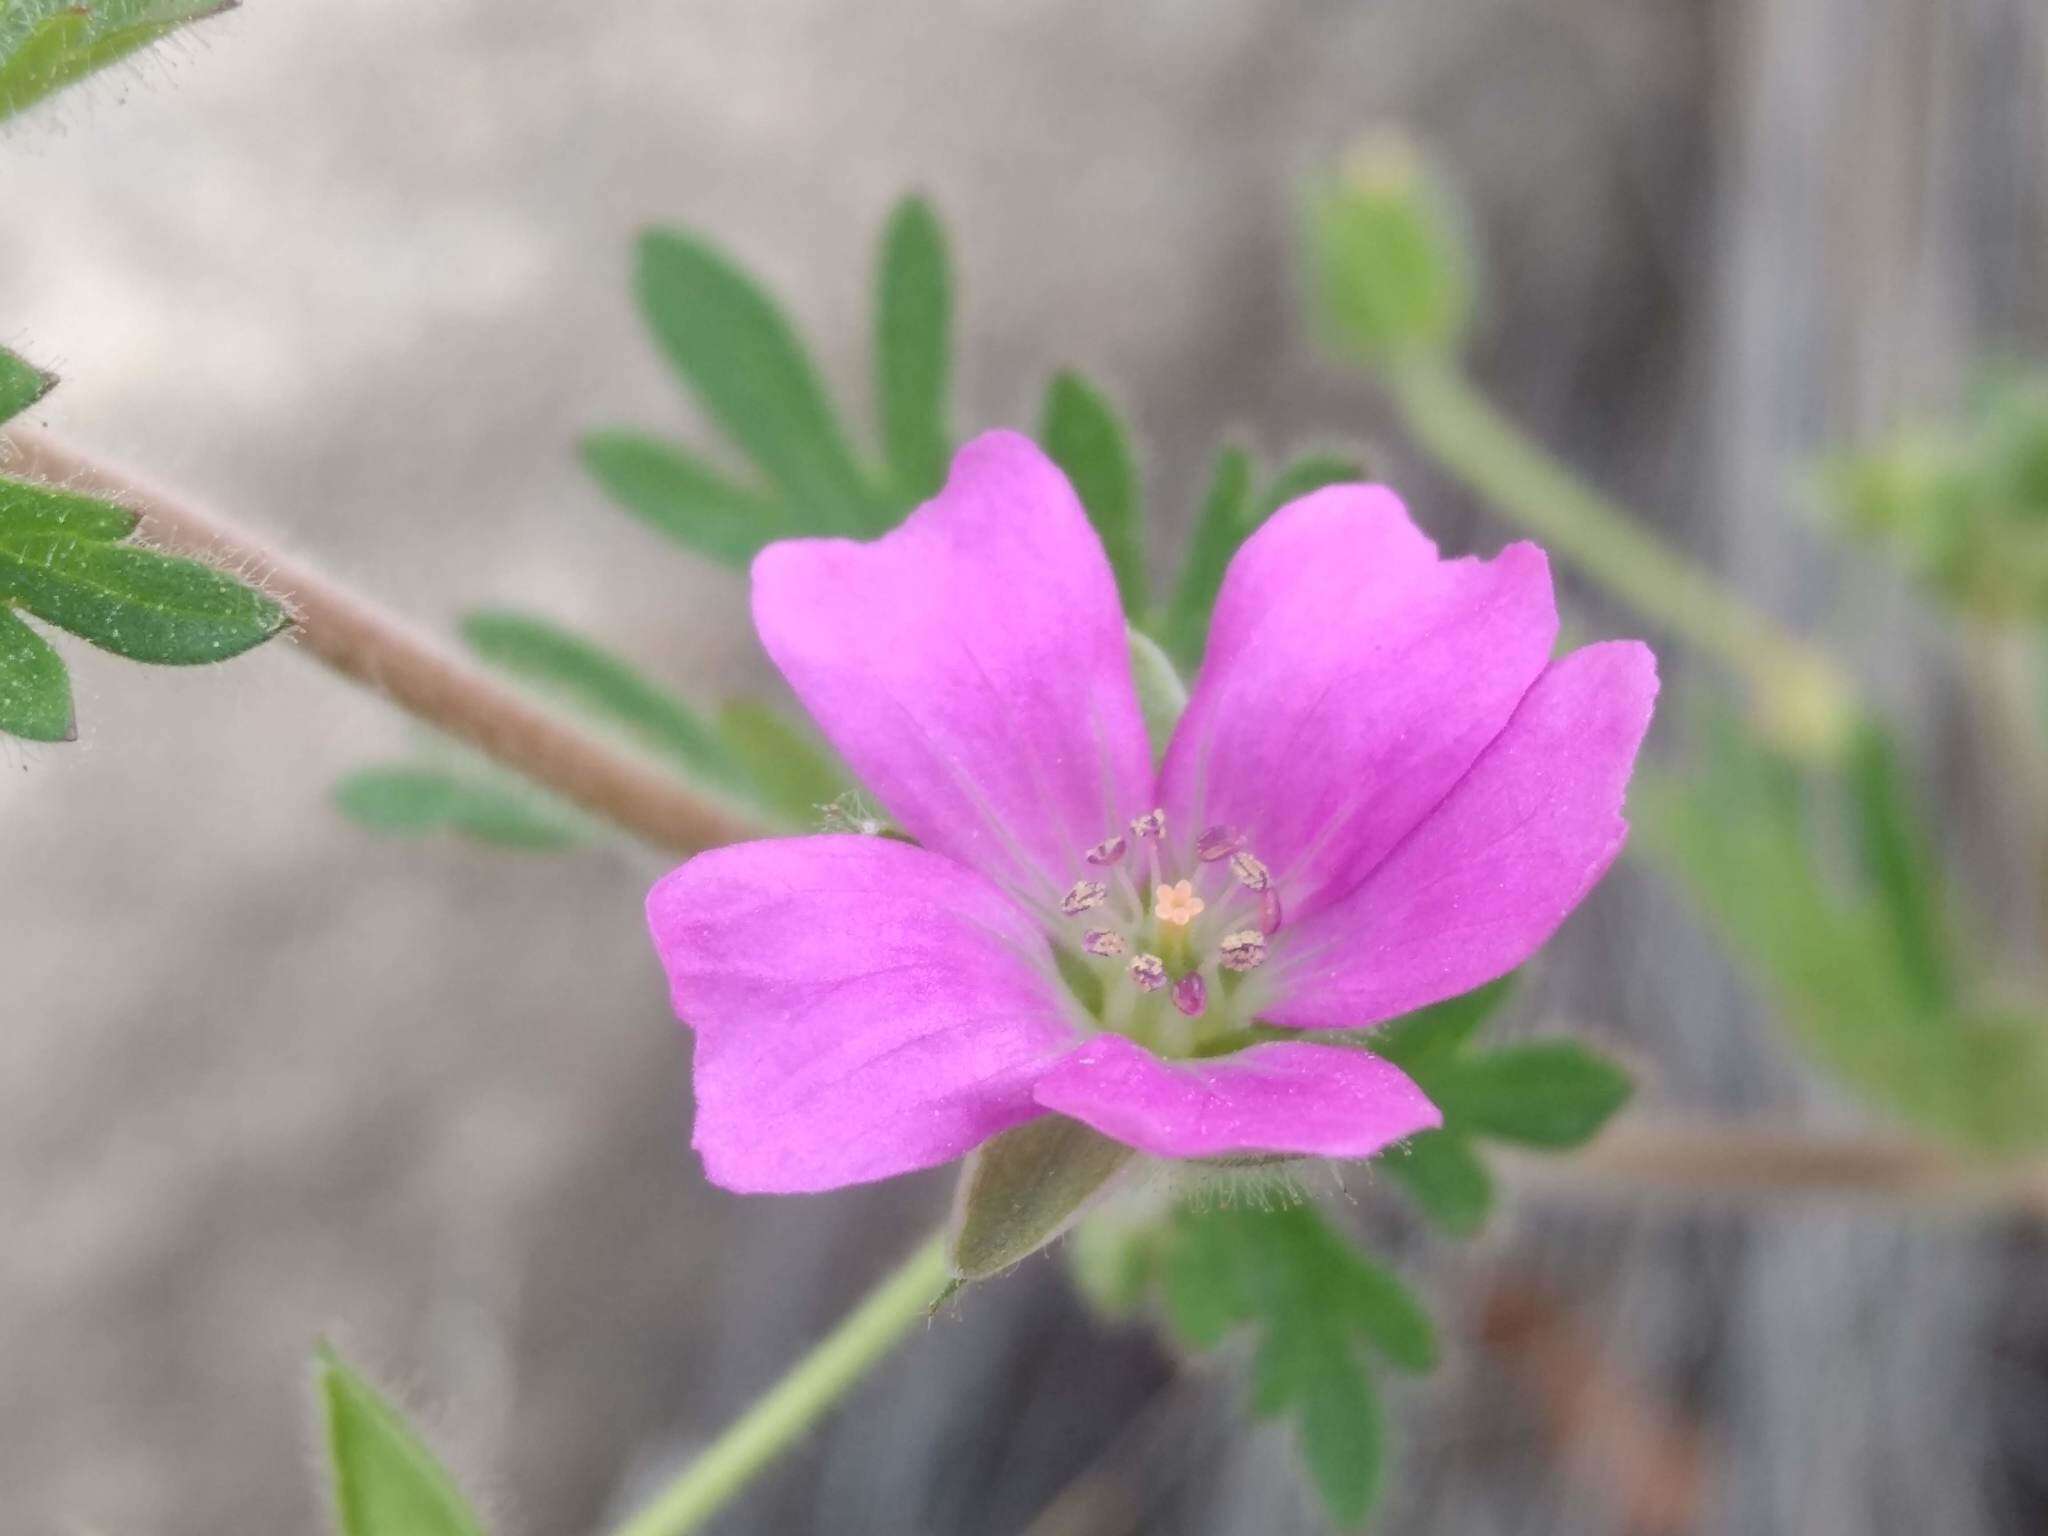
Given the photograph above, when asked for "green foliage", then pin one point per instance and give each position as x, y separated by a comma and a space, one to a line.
418, 799
62, 560
1321, 1313
1020, 1191
1548, 1094
46, 45
914, 350
738, 354
1082, 433
1390, 271
1861, 964
609, 690
35, 690
384, 1480
1230, 513
22, 384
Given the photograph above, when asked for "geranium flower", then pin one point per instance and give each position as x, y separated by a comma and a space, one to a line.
1383, 792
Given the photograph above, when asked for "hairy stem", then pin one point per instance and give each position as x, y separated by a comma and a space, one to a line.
1802, 699
369, 644
797, 1401
1753, 1163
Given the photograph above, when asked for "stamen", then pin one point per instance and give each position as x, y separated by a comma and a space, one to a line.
1108, 851
1269, 910
1251, 874
1244, 950
1218, 843
1103, 941
1177, 903
1191, 994
1151, 824
1086, 895
1149, 972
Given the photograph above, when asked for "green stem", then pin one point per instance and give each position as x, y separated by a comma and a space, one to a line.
797, 1401
1801, 697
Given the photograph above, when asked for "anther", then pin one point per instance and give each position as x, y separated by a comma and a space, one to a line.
1177, 903
1244, 950
1151, 824
1218, 843
1085, 895
1251, 874
1149, 972
1269, 910
1108, 851
1102, 941
1191, 994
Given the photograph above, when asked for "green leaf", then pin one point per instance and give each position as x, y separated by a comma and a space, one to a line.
1220, 526
1305, 475
1541, 1093
735, 350
677, 494
790, 772
35, 690
1445, 1177
1901, 866
1162, 696
554, 661
1080, 431
28, 507
1020, 1191
1416, 1041
913, 350
409, 800
135, 602
385, 1481
1317, 1305
48, 44
21, 384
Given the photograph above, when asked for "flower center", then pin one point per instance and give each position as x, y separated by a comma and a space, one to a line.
1176, 964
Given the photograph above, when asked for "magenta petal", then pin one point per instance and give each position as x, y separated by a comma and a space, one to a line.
1352, 678
1480, 885
1316, 1100
972, 667
862, 1008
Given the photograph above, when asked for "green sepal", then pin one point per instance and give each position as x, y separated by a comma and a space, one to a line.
383, 1479
1022, 1190
1162, 696
1081, 432
913, 350
35, 690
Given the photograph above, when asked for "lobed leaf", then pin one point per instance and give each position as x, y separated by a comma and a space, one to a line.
1444, 1176
677, 494
410, 800
731, 344
1305, 476
22, 384
1541, 1093
609, 689
384, 1479
913, 350
35, 690
1220, 526
135, 602
28, 507
1080, 431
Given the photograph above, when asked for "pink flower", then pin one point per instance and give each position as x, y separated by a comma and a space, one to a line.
1384, 792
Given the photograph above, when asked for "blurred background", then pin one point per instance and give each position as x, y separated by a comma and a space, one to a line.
358, 277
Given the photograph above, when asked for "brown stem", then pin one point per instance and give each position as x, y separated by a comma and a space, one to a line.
1751, 1162
375, 647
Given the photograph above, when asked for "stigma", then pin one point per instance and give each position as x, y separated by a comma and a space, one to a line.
1177, 903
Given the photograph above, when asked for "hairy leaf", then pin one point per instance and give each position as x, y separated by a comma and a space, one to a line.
135, 602
22, 384
35, 690
602, 685
1081, 432
28, 507
677, 494
414, 800
384, 1480
913, 350
48, 44
737, 352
